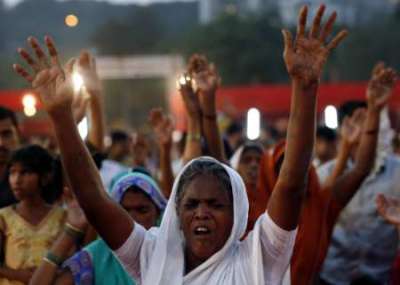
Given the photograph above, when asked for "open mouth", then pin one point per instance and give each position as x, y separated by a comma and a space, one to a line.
202, 231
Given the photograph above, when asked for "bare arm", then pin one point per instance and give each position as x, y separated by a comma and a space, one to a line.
54, 86
378, 92
162, 127
207, 82
194, 128
304, 60
48, 273
87, 68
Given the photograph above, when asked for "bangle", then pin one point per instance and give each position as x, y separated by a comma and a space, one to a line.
212, 117
53, 259
73, 232
193, 137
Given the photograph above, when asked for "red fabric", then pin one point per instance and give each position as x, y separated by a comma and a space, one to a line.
317, 219
273, 100
395, 278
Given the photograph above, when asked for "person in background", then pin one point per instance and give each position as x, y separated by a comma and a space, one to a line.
28, 227
363, 245
119, 150
9, 141
233, 138
95, 264
325, 146
246, 160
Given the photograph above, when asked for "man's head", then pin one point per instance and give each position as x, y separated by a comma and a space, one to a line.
325, 144
9, 137
120, 145
234, 135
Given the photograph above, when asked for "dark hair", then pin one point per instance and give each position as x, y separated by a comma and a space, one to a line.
38, 160
252, 146
234, 128
326, 133
118, 136
348, 108
203, 167
6, 113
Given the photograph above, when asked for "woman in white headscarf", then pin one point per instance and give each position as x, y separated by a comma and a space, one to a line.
198, 241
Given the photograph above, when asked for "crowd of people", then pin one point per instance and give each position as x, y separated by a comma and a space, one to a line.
315, 207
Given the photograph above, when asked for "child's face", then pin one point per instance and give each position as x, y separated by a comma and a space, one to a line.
24, 183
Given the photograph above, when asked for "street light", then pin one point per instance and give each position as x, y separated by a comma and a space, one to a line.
253, 124
29, 102
71, 20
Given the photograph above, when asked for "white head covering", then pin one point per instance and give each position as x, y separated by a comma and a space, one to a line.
166, 262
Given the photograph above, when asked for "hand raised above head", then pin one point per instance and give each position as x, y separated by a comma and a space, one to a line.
162, 126
86, 66
48, 78
380, 86
305, 57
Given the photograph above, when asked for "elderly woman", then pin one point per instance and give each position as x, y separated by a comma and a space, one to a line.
198, 241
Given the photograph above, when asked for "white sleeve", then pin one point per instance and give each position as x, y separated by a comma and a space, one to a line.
277, 248
129, 253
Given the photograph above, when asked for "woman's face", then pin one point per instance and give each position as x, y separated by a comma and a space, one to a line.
206, 217
23, 182
140, 208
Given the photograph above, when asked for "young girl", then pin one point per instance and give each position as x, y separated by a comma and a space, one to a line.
28, 228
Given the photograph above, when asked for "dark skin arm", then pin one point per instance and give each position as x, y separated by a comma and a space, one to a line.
54, 86
194, 128
207, 81
379, 90
47, 273
86, 66
162, 127
304, 59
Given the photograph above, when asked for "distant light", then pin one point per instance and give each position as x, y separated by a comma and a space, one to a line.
83, 128
30, 111
176, 136
77, 80
253, 124
331, 117
71, 20
29, 100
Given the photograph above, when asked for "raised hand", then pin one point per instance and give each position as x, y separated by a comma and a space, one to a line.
162, 127
380, 86
48, 78
389, 209
190, 98
351, 128
305, 57
86, 66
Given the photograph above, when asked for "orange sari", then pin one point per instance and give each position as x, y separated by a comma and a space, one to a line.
318, 216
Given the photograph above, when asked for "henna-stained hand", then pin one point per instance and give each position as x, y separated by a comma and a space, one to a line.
306, 56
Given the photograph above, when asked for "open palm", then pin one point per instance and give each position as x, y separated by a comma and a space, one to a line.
305, 57
47, 77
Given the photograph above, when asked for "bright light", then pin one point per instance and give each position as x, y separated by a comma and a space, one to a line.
77, 80
30, 111
29, 100
253, 124
71, 20
331, 117
83, 128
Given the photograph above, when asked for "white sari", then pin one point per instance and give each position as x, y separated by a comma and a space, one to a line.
156, 257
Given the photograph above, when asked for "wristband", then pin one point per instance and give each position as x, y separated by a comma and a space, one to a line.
53, 259
73, 232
